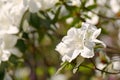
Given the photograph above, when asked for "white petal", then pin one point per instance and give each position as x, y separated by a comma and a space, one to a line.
116, 65
5, 56
89, 44
13, 30
10, 30
98, 41
48, 4
96, 34
85, 26
16, 52
87, 53
72, 31
34, 6
115, 6
9, 40
65, 58
61, 48
74, 55
25, 2
94, 18
67, 39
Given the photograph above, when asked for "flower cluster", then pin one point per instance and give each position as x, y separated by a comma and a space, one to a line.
79, 41
11, 12
8, 27
36, 5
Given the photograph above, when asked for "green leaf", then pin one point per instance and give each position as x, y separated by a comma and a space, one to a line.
21, 45
56, 15
34, 20
92, 6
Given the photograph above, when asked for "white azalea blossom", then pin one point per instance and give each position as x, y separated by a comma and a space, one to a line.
11, 13
7, 43
115, 6
79, 41
33, 5
101, 2
116, 63
94, 18
16, 11
69, 20
6, 25
89, 3
36, 5
21, 73
46, 4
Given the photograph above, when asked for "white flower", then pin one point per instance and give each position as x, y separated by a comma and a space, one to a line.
69, 20
46, 4
101, 2
33, 5
58, 77
116, 62
7, 43
16, 11
6, 25
22, 73
89, 3
79, 41
114, 4
94, 18
36, 5
116, 65
74, 3
11, 13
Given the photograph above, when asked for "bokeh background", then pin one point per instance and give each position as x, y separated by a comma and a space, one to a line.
40, 33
